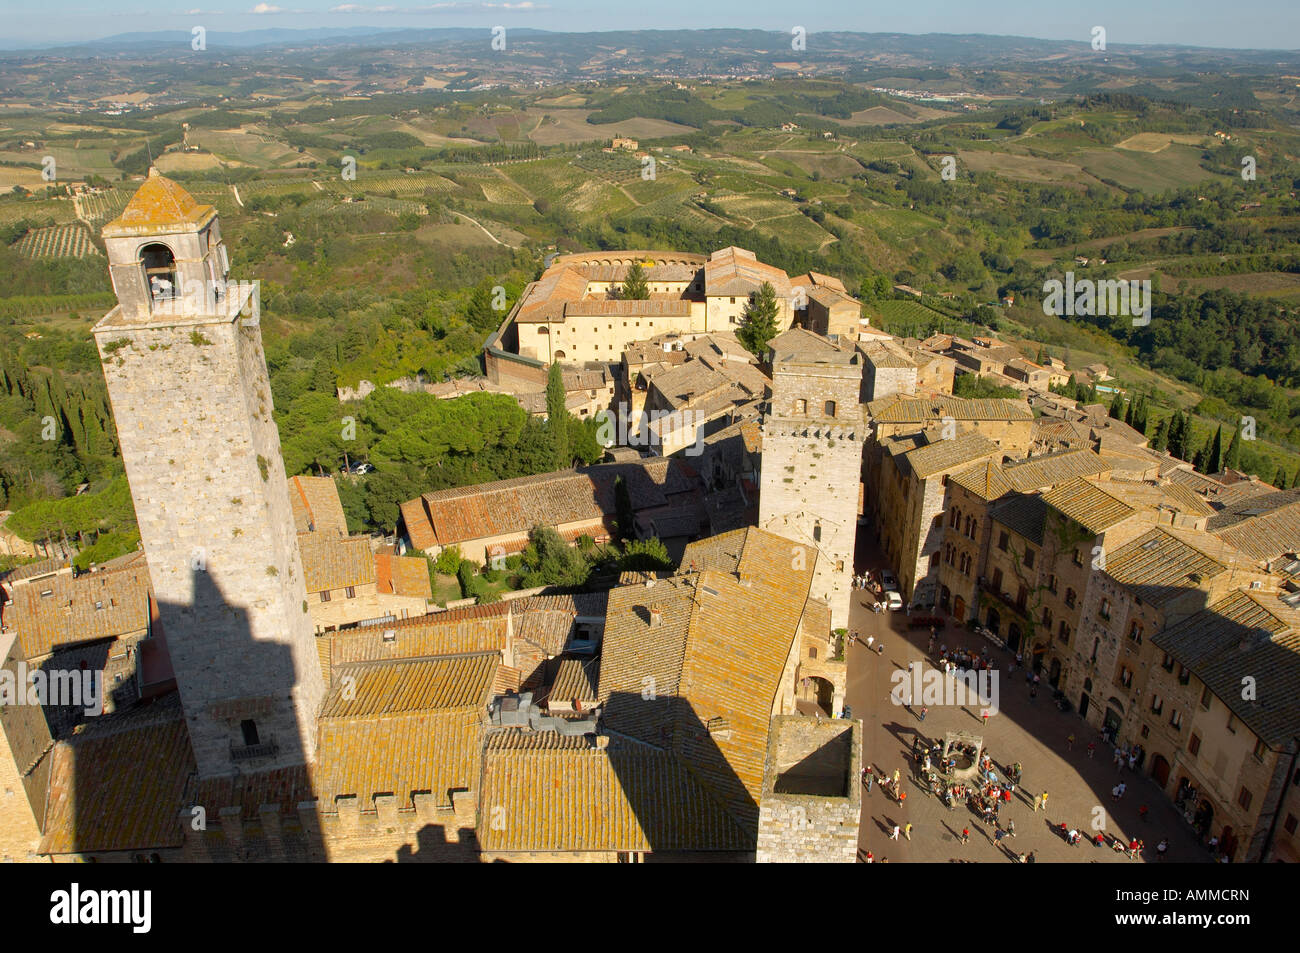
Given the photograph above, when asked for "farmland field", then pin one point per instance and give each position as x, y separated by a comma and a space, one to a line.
60, 241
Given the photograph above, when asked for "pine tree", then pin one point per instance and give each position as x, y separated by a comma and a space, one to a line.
634, 287
758, 326
1214, 463
1232, 459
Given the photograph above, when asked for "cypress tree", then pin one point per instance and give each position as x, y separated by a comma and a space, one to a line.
1117, 407
1128, 414
1214, 463
1232, 459
1161, 440
557, 417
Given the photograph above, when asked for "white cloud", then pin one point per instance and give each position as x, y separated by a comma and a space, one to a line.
265, 8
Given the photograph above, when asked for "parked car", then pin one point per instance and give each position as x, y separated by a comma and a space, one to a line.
890, 580
361, 468
893, 600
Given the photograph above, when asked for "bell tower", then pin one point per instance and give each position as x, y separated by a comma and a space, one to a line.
182, 356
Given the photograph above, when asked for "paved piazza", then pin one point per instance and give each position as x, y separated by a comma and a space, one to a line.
1033, 733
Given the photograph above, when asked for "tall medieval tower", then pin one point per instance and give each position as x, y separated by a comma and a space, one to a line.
182, 355
812, 459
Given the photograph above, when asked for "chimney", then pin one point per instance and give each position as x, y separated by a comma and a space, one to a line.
656, 616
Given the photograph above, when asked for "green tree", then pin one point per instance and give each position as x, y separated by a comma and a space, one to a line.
1232, 459
758, 325
1117, 407
1214, 461
557, 417
624, 515
1161, 439
634, 287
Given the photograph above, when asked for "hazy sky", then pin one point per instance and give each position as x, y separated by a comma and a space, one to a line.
1264, 24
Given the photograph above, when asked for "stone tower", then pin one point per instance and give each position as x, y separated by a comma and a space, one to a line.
812, 458
182, 355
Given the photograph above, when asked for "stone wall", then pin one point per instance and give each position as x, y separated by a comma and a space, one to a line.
811, 803
811, 473
192, 404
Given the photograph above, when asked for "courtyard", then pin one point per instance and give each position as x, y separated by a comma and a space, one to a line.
1031, 731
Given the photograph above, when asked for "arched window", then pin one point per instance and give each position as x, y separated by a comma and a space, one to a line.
543, 329
159, 266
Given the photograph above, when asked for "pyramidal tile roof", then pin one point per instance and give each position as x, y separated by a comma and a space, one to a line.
159, 204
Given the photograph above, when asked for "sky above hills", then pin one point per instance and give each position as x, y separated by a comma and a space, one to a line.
1262, 24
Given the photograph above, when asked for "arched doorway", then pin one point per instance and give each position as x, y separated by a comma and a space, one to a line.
1114, 719
1160, 770
1013, 636
945, 597
993, 621
959, 609
816, 691
1054, 673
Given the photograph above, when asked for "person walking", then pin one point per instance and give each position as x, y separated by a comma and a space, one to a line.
902, 796
924, 711
893, 835
1069, 742
1044, 795
907, 831
985, 716
965, 835
1092, 748
870, 639
1038, 802
1121, 788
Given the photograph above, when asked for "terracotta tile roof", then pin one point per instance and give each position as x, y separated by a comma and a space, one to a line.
986, 480
575, 679
287, 787
673, 307
919, 410
1159, 567
473, 629
1267, 535
333, 563
1088, 505
119, 784
736, 271
97, 605
1186, 499
1235, 513
403, 576
632, 798
1025, 514
1242, 635
715, 659
367, 689
881, 354
158, 204
316, 506
507, 507
543, 301
1049, 469
943, 455
413, 726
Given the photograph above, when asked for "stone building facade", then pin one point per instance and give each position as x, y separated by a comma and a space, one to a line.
192, 403
812, 463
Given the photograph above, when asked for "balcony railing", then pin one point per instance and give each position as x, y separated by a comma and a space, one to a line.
265, 749
1016, 605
